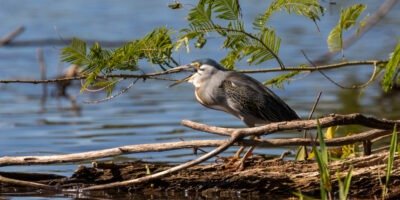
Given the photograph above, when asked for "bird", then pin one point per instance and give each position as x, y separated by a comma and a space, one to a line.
235, 93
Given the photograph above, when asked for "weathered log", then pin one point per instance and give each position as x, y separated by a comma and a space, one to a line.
261, 178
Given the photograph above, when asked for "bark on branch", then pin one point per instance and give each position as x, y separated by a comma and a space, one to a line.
267, 129
332, 120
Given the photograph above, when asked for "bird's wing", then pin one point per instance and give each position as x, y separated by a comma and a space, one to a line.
251, 98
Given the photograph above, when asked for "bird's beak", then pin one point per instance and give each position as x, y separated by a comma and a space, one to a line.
182, 68
181, 81
188, 68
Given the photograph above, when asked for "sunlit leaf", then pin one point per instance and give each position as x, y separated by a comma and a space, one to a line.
279, 80
330, 132
391, 67
348, 18
75, 53
227, 9
308, 8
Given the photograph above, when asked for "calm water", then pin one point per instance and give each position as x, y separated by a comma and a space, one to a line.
151, 112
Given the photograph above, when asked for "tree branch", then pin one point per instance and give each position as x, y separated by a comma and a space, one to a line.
273, 127
90, 155
158, 75
9, 37
221, 148
332, 120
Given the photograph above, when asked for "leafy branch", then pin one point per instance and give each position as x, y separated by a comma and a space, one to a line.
223, 18
348, 19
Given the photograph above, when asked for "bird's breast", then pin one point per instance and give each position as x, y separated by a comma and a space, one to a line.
206, 101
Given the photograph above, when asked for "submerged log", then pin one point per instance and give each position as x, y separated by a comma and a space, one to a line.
261, 177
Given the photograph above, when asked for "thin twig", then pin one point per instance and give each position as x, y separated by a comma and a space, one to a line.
309, 117
9, 37
157, 75
322, 73
113, 96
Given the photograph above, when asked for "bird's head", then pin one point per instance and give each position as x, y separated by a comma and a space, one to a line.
203, 69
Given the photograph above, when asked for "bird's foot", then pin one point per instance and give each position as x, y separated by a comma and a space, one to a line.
242, 163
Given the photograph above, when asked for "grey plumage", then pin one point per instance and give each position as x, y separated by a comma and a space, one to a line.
237, 94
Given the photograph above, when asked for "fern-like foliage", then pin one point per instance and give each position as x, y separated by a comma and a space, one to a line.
256, 46
227, 9
348, 18
391, 69
75, 53
307, 8
156, 48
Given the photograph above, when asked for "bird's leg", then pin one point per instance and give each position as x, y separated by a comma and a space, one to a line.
246, 155
241, 149
238, 152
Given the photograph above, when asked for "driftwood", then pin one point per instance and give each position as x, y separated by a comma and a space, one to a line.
286, 174
261, 178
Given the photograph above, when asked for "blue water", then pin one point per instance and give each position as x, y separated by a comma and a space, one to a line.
151, 112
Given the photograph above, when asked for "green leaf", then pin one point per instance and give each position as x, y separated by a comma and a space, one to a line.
227, 9
391, 67
308, 8
200, 15
392, 151
301, 153
321, 156
262, 50
75, 53
344, 187
279, 80
348, 18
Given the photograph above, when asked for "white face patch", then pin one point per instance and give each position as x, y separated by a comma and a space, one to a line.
195, 80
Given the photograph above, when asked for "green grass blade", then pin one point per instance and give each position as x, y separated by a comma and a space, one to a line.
392, 151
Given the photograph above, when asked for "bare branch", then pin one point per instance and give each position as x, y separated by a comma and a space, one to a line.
332, 120
318, 68
221, 148
158, 75
90, 155
9, 37
267, 129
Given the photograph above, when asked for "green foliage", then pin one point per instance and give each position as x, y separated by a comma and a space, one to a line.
227, 9
344, 186
258, 47
75, 53
391, 67
155, 47
308, 8
321, 155
348, 18
223, 18
279, 80
389, 166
